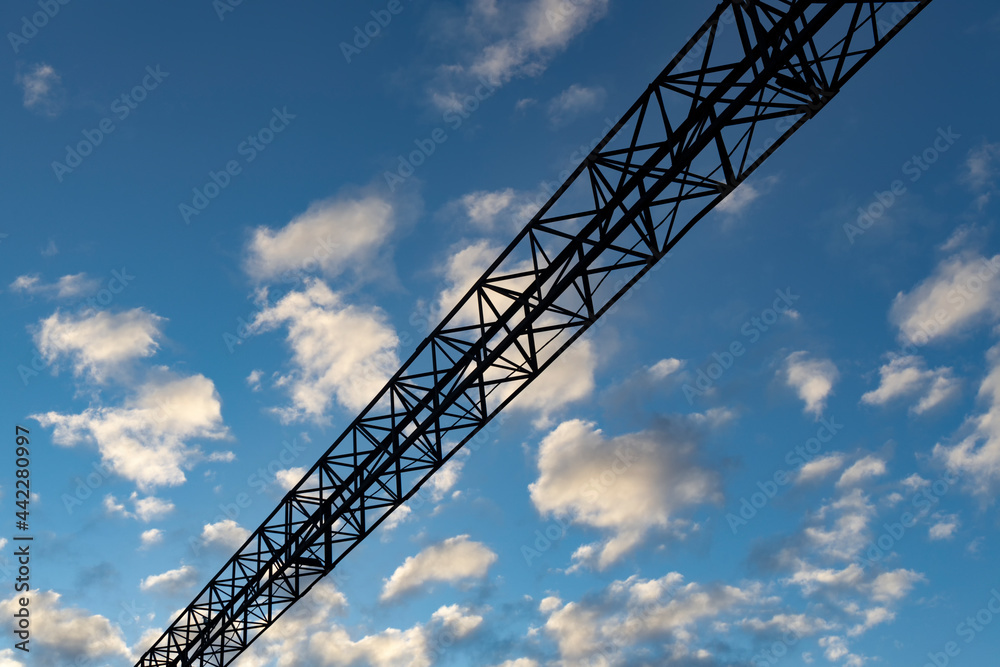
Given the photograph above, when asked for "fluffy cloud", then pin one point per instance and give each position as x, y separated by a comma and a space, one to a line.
98, 343
482, 208
67, 287
907, 376
528, 39
330, 237
453, 560
634, 610
574, 101
862, 470
226, 533
820, 468
850, 532
981, 168
150, 538
458, 620
339, 351
569, 379
171, 581
146, 440
812, 379
61, 635
976, 452
962, 292
627, 485
41, 86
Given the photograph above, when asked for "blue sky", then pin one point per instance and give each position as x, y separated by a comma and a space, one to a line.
209, 267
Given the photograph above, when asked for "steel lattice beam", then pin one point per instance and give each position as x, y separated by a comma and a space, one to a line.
753, 74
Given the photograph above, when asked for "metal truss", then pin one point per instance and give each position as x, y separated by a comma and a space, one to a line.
754, 73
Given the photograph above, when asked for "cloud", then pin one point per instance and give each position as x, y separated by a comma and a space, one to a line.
172, 581
895, 585
62, 635
626, 486
41, 86
151, 538
820, 468
521, 45
570, 379
944, 527
458, 620
862, 470
630, 612
976, 452
340, 352
575, 101
482, 208
981, 168
740, 199
813, 379
98, 343
664, 367
963, 292
849, 533
908, 376
329, 238
145, 509
287, 479
226, 533
146, 440
452, 560
67, 287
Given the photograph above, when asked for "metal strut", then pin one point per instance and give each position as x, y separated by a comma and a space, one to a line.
755, 72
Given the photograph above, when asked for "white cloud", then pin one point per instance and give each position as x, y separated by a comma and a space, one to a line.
627, 485
150, 538
849, 533
340, 351
963, 291
872, 617
253, 380
290, 477
862, 470
452, 560
813, 379
895, 585
569, 379
820, 468
976, 452
146, 440
620, 617
226, 533
98, 343
145, 509
482, 208
458, 620
906, 376
330, 237
945, 526
171, 581
524, 47
61, 635
664, 367
740, 199
41, 89
67, 287
520, 662
574, 101
981, 168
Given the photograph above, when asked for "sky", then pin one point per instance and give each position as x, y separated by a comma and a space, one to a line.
226, 224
